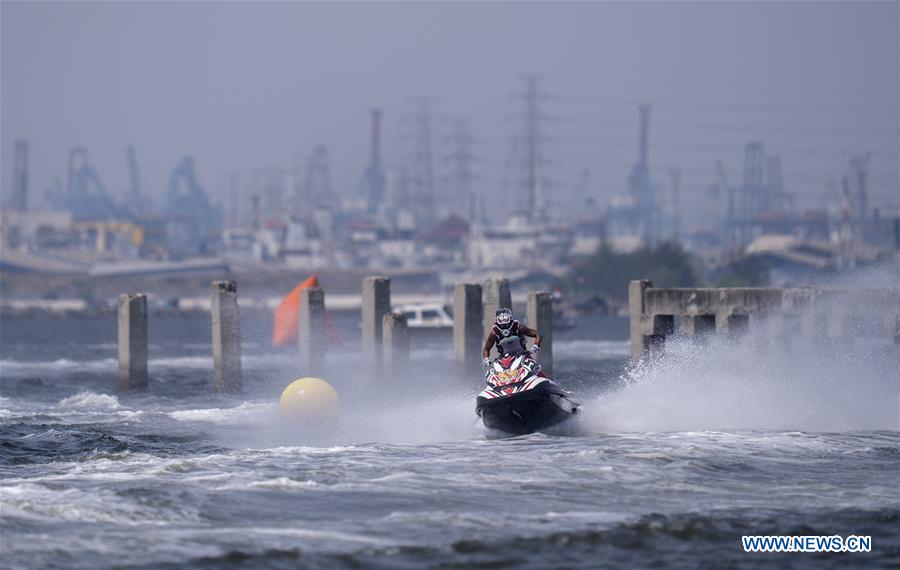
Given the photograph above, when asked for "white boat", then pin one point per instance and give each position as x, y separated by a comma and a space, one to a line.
425, 315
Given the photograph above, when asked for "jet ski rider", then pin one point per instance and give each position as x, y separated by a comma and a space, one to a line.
508, 337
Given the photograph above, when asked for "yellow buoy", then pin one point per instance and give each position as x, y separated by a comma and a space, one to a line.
309, 400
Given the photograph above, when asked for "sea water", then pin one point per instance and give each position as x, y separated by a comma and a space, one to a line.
678, 458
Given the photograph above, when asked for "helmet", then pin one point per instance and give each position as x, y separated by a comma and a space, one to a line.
503, 318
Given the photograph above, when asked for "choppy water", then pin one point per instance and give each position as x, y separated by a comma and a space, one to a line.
678, 459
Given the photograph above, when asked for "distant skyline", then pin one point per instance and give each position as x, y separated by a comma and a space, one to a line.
242, 86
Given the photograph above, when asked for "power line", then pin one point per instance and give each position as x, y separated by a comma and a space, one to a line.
788, 173
805, 129
746, 107
618, 143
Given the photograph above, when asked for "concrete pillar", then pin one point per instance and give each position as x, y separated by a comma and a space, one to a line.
539, 314
468, 314
495, 294
699, 325
636, 307
738, 325
763, 330
395, 346
791, 329
376, 302
132, 341
226, 336
663, 327
852, 326
311, 333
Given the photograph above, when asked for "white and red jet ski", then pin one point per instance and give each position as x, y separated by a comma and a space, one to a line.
518, 399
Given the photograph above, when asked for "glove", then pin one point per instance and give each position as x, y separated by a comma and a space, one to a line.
486, 363
535, 349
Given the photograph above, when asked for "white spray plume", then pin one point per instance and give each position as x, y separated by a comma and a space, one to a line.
849, 383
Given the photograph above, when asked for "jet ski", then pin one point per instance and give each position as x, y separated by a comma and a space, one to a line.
519, 400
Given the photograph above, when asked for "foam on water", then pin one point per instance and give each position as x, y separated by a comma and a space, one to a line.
49, 502
60, 364
90, 400
242, 413
431, 419
63, 365
728, 385
175, 476
256, 424
591, 349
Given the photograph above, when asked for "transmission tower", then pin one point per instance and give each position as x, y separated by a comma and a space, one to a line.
19, 200
673, 205
460, 177
374, 177
317, 182
857, 184
779, 200
534, 183
135, 199
423, 164
639, 183
754, 200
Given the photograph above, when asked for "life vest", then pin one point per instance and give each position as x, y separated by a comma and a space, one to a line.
509, 341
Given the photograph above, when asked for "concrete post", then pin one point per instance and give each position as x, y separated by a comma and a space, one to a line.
699, 326
226, 336
788, 317
539, 314
311, 331
496, 294
396, 344
132, 341
738, 325
636, 290
791, 329
467, 327
376, 302
663, 327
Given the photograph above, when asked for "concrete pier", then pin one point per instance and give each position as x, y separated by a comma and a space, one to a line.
395, 348
468, 317
539, 315
376, 302
226, 336
311, 335
132, 337
784, 316
496, 294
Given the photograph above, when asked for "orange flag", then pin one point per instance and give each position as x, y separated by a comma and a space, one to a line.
287, 316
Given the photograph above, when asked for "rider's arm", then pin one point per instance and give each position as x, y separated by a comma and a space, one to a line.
533, 333
489, 344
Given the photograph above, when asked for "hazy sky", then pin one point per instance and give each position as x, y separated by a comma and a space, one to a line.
246, 85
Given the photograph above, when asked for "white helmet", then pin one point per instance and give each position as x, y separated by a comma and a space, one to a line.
503, 318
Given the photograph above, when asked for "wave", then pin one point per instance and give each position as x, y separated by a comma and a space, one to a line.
29, 500
85, 407
591, 349
60, 364
111, 365
240, 413
274, 484
90, 400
